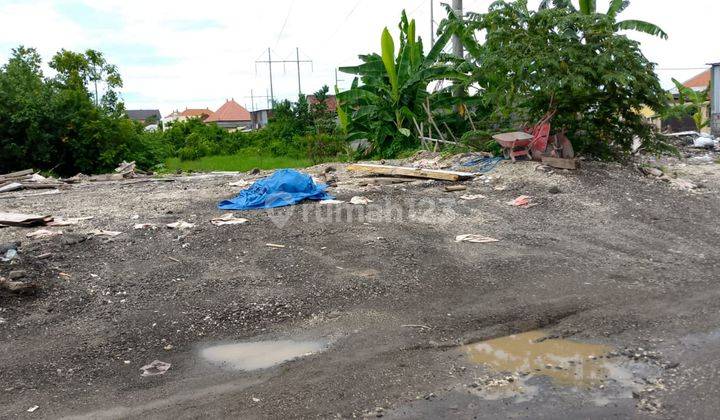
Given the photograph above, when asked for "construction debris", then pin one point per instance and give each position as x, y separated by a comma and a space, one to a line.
411, 172
8, 251
275, 245
26, 179
102, 232
155, 368
242, 183
228, 219
475, 239
15, 286
470, 197
361, 201
180, 225
331, 201
143, 226
453, 188
24, 220
44, 233
69, 221
523, 201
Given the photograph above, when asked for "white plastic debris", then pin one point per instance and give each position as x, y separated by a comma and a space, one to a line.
240, 183
478, 239
33, 408
10, 254
155, 368
704, 142
331, 202
470, 197
228, 219
181, 225
358, 200
144, 226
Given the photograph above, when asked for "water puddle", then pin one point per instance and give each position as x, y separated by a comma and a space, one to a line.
255, 355
566, 362
532, 358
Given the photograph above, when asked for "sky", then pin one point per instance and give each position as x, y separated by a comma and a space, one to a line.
177, 54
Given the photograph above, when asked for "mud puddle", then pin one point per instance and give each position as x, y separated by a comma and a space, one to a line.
256, 355
533, 359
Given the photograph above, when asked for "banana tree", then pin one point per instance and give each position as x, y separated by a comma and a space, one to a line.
694, 102
389, 89
589, 7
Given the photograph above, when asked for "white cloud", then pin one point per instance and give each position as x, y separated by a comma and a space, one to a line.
174, 54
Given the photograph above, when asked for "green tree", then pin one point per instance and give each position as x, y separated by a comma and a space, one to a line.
390, 89
529, 62
101, 72
589, 7
690, 102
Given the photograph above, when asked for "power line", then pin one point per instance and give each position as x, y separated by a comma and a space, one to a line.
284, 23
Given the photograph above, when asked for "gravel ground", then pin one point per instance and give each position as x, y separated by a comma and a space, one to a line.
614, 258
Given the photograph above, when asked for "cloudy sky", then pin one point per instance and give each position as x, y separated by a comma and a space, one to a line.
176, 54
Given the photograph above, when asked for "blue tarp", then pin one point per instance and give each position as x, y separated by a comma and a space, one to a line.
285, 187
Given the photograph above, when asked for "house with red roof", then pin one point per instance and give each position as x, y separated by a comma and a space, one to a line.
231, 116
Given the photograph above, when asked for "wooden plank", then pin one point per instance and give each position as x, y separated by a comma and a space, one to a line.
560, 163
411, 172
452, 188
19, 219
17, 174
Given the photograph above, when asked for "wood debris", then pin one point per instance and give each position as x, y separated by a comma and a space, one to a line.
453, 188
24, 220
478, 239
561, 163
275, 245
102, 232
471, 197
27, 179
411, 172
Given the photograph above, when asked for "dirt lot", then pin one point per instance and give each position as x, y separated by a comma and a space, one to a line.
614, 258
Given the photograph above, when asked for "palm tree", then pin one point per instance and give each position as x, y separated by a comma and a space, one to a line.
589, 7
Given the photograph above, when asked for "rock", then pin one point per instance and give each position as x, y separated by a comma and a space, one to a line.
5, 247
73, 239
330, 169
554, 190
543, 168
649, 171
17, 274
255, 171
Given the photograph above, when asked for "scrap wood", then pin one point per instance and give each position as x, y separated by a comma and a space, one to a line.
12, 186
102, 232
453, 188
411, 172
15, 286
274, 245
69, 221
18, 174
475, 239
24, 220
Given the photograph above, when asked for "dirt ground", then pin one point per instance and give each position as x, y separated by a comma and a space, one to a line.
614, 258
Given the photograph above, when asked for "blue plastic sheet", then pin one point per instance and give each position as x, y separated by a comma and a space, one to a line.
285, 187
484, 164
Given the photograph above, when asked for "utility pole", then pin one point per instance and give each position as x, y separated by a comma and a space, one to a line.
715, 99
253, 97
456, 44
297, 61
432, 23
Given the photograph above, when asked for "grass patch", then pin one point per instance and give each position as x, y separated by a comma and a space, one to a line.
241, 162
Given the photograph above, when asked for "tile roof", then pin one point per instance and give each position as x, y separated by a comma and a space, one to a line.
196, 112
330, 101
143, 114
230, 111
702, 80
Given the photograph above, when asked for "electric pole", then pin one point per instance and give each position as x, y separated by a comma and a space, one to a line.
270, 62
432, 24
253, 97
456, 44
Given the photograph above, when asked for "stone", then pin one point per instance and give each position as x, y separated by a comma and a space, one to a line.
554, 190
17, 274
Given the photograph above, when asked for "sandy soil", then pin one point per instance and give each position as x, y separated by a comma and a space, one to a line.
616, 258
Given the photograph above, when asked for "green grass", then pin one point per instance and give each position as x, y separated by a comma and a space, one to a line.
241, 162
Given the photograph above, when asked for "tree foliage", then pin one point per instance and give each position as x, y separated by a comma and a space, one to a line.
529, 62
391, 88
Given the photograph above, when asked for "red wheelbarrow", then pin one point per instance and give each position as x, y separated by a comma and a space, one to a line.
531, 143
